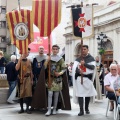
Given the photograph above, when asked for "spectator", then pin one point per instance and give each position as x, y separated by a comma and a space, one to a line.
11, 74
106, 70
115, 62
70, 74
117, 83
2, 62
67, 65
108, 83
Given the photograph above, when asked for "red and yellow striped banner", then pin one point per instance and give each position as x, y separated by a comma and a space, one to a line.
47, 15
13, 19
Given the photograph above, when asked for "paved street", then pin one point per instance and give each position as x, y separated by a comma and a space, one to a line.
97, 109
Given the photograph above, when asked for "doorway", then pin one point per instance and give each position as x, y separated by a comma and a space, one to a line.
107, 58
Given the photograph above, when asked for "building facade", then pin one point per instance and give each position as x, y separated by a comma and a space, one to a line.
7, 6
106, 20
3, 31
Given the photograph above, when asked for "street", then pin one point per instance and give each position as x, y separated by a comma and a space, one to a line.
97, 112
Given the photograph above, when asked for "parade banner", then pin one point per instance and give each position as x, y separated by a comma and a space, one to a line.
82, 18
20, 24
47, 15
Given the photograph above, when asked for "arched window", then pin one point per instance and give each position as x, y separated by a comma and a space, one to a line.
108, 46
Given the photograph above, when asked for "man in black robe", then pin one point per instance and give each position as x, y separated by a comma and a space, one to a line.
37, 65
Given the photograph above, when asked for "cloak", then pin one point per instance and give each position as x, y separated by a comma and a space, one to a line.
39, 99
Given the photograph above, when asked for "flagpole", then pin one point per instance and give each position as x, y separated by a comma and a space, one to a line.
19, 51
49, 53
19, 4
81, 48
81, 3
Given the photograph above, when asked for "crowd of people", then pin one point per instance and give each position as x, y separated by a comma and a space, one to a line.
44, 83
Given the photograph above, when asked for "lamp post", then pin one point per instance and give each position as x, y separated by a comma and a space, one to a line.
101, 39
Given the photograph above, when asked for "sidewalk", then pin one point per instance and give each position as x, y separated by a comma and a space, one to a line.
97, 111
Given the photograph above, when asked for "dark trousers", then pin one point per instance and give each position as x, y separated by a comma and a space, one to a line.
2, 70
111, 96
102, 85
27, 100
12, 85
81, 103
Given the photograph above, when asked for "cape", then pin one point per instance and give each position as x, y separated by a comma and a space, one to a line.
39, 99
87, 59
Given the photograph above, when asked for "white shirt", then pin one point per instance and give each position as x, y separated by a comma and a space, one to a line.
109, 80
70, 70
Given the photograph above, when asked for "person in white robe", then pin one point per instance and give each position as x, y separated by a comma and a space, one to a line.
84, 66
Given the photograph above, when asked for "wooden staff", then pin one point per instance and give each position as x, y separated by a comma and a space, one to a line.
81, 59
19, 4
82, 42
49, 53
81, 48
21, 72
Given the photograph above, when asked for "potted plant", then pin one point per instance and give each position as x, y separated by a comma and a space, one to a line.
101, 51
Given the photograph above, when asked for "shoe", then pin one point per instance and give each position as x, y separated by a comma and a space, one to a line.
28, 111
80, 113
103, 94
111, 109
48, 112
21, 111
54, 112
87, 112
31, 109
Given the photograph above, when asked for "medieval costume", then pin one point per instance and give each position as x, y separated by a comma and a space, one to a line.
56, 65
97, 85
100, 70
59, 85
37, 65
86, 89
25, 83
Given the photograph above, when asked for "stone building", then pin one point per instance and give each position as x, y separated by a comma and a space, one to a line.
7, 6
106, 20
3, 31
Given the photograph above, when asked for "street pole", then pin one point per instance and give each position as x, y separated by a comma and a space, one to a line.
19, 4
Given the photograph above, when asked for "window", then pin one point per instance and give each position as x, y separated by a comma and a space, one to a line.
2, 24
3, 9
3, 39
